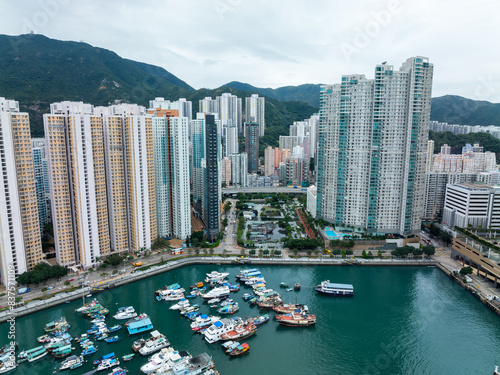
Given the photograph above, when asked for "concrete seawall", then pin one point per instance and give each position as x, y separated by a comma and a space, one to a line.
60, 298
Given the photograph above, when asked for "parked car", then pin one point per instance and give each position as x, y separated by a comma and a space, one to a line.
50, 287
70, 280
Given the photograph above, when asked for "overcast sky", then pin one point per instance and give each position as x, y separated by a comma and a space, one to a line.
274, 43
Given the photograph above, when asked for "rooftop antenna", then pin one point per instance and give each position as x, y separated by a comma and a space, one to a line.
385, 62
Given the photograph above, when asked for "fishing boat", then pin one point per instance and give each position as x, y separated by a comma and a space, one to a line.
284, 285
118, 371
156, 342
199, 284
71, 362
290, 308
107, 364
125, 313
297, 319
255, 280
245, 274
332, 289
44, 338
228, 309
296, 286
115, 328
229, 346
89, 350
62, 351
247, 296
102, 336
112, 339
241, 331
239, 350
103, 358
128, 357
193, 315
60, 325
260, 319
34, 355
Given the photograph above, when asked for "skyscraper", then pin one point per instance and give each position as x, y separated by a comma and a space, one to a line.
20, 246
372, 148
206, 174
252, 146
255, 111
171, 161
268, 161
75, 147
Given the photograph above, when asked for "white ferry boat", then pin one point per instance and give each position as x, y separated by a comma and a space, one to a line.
125, 313
214, 332
219, 292
156, 342
332, 289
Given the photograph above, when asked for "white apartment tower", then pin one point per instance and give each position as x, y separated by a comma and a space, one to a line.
255, 111
372, 148
20, 246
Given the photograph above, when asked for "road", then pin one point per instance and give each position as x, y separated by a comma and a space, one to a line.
268, 189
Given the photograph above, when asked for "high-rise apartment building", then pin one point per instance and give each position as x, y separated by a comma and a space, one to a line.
252, 146
226, 171
297, 172
171, 162
430, 156
20, 245
372, 148
269, 161
277, 157
206, 174
255, 111
239, 169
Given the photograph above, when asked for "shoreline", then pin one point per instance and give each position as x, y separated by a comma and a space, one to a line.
35, 306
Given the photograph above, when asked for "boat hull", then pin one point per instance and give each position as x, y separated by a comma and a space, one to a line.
334, 293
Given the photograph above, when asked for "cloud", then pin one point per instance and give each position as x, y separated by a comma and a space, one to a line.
279, 43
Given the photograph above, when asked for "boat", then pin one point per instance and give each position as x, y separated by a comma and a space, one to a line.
219, 292
89, 350
112, 339
118, 371
260, 319
214, 332
102, 336
239, 350
62, 351
284, 285
8, 366
128, 357
36, 354
233, 287
71, 362
289, 289
213, 301
203, 321
241, 331
230, 345
290, 308
59, 325
136, 319
140, 326
169, 287
125, 313
193, 365
248, 273
199, 284
156, 342
216, 277
228, 309
255, 280
333, 289
115, 328
158, 359
296, 286
247, 296
103, 358
297, 319
180, 305
107, 364
176, 358
171, 295
138, 344
44, 338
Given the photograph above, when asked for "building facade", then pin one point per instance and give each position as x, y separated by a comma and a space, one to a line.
20, 245
372, 148
252, 146
255, 112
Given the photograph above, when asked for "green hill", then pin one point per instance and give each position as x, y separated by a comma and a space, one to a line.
458, 110
37, 71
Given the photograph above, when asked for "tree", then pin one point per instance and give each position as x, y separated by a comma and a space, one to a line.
260, 253
370, 254
104, 274
466, 271
114, 272
348, 252
160, 243
429, 250
67, 283
363, 254
309, 252
114, 259
227, 207
379, 254
418, 251
251, 252
266, 253
211, 251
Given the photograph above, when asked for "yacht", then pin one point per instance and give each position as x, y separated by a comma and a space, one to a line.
217, 329
8, 366
71, 362
216, 277
331, 289
179, 305
179, 357
156, 342
159, 359
194, 366
107, 364
219, 292
203, 321
125, 313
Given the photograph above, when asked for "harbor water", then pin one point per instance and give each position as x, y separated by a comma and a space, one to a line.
401, 320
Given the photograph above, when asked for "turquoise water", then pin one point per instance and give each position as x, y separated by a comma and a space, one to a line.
400, 321
332, 235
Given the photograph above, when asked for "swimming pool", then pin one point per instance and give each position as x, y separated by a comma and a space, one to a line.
332, 235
